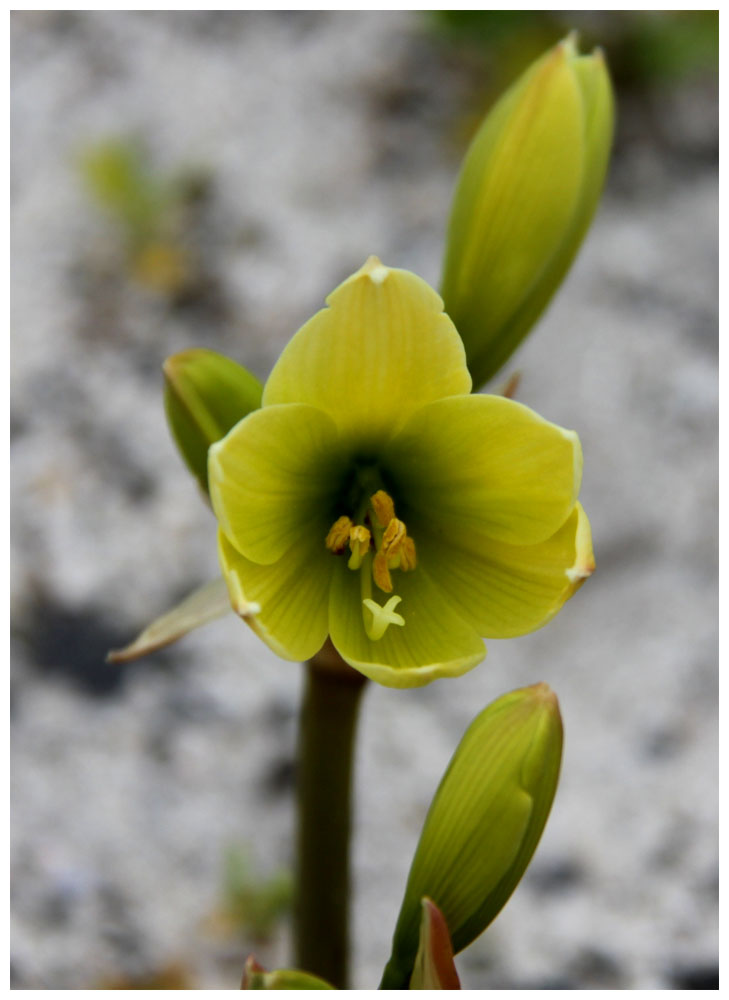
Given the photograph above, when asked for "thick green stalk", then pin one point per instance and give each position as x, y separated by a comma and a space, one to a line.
326, 743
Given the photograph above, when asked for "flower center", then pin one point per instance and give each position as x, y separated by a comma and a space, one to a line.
376, 547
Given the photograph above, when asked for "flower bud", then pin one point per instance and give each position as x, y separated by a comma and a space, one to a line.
255, 977
434, 968
484, 822
528, 189
205, 395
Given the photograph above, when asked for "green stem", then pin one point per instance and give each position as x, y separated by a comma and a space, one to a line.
326, 742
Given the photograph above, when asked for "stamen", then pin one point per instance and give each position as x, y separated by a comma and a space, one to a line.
359, 543
382, 618
383, 507
393, 537
381, 572
338, 537
408, 558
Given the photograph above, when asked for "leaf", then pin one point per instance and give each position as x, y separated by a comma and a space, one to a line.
201, 607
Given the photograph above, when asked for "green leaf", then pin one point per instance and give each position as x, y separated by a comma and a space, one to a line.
254, 902
484, 822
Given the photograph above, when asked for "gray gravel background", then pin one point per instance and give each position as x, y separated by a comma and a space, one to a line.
329, 136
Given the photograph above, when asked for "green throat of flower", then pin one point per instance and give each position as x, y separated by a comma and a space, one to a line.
376, 546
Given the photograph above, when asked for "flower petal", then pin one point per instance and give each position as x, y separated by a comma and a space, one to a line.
381, 350
272, 478
485, 467
286, 604
508, 590
434, 642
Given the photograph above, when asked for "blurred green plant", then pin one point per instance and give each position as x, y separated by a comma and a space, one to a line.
150, 212
251, 903
644, 48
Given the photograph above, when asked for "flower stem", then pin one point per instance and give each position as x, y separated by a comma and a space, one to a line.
326, 742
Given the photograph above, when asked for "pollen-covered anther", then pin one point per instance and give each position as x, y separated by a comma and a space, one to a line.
398, 546
359, 543
383, 506
381, 572
338, 537
408, 559
393, 537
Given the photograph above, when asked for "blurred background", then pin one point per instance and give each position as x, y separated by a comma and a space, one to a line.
207, 178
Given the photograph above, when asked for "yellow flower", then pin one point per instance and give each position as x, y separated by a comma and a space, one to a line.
371, 480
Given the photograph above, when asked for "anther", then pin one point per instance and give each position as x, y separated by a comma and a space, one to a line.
408, 559
383, 507
381, 572
393, 537
338, 537
359, 543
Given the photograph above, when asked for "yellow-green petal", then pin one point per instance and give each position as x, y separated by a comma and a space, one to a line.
286, 603
272, 480
382, 349
509, 590
434, 641
485, 467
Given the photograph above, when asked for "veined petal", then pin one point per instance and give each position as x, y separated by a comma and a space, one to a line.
434, 642
381, 350
508, 590
286, 603
485, 467
272, 478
